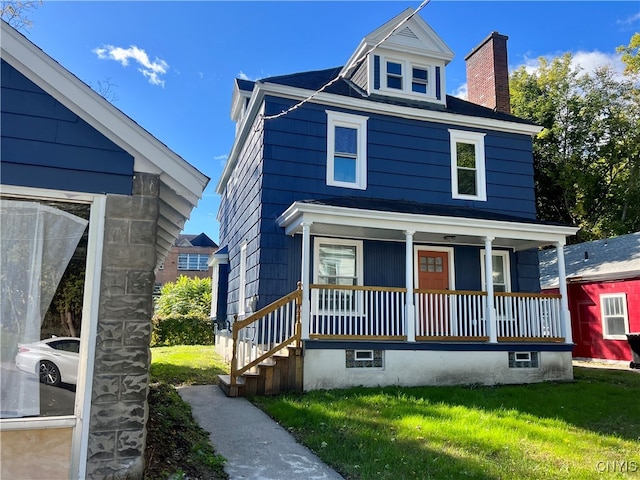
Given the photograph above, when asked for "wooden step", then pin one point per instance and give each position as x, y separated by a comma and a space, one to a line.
280, 373
224, 382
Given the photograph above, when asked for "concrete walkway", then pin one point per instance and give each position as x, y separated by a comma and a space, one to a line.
255, 446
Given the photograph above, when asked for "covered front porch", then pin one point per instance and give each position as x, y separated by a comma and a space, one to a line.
339, 305
410, 325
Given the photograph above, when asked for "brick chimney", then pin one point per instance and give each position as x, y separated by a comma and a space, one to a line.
488, 73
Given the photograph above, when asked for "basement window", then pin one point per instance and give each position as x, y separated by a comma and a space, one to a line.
524, 360
363, 359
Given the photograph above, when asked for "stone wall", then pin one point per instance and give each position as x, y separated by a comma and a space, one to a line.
119, 408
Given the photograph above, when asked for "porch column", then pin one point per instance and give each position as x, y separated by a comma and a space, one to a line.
490, 314
305, 278
565, 314
410, 311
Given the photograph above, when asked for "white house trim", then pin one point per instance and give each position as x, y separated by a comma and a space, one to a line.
450, 260
338, 221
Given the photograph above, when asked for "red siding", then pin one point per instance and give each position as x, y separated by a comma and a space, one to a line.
586, 321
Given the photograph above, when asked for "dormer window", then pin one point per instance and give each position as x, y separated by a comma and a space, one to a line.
394, 75
408, 77
420, 80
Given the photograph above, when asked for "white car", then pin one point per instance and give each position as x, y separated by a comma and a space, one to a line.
54, 359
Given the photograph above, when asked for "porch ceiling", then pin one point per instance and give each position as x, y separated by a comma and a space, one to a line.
339, 221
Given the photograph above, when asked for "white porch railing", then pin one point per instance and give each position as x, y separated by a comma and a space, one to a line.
522, 316
454, 315
265, 332
356, 312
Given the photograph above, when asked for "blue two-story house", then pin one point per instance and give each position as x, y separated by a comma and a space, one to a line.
402, 219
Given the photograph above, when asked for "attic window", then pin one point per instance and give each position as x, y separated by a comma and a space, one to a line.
407, 77
419, 80
394, 75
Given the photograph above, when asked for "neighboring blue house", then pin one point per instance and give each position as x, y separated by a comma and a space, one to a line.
86, 190
365, 182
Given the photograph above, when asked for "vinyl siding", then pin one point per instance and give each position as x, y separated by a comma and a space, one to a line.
45, 145
285, 161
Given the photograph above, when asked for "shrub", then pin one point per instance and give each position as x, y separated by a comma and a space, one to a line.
179, 329
185, 296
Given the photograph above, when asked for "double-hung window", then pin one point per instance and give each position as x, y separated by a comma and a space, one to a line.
615, 318
346, 150
394, 75
338, 263
419, 80
468, 165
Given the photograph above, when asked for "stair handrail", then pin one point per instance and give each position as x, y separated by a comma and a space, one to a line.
256, 316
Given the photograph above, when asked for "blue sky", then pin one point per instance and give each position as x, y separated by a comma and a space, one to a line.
172, 64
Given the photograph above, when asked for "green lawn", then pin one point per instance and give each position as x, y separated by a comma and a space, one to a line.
587, 429
187, 365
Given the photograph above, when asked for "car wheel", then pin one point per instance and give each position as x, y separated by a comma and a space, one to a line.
49, 373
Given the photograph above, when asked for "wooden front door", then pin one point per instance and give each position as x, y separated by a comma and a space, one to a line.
433, 270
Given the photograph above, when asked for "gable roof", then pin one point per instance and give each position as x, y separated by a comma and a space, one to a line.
181, 184
614, 258
413, 36
191, 240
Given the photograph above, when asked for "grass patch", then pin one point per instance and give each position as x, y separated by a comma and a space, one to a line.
579, 430
187, 365
177, 447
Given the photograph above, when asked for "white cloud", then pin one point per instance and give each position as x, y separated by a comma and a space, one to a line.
243, 76
461, 92
152, 71
588, 62
222, 159
631, 20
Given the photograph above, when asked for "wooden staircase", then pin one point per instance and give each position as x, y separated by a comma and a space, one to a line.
267, 350
279, 374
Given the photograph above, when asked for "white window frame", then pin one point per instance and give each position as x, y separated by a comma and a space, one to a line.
625, 314
477, 140
408, 65
506, 261
367, 354
359, 123
402, 76
359, 269
242, 278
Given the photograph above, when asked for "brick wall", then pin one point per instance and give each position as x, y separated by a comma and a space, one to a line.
170, 272
488, 74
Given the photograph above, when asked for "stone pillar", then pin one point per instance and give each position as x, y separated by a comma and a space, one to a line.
119, 408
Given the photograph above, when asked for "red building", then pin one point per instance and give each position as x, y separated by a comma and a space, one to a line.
189, 256
603, 286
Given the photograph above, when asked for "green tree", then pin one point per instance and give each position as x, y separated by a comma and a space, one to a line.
631, 55
586, 158
185, 296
